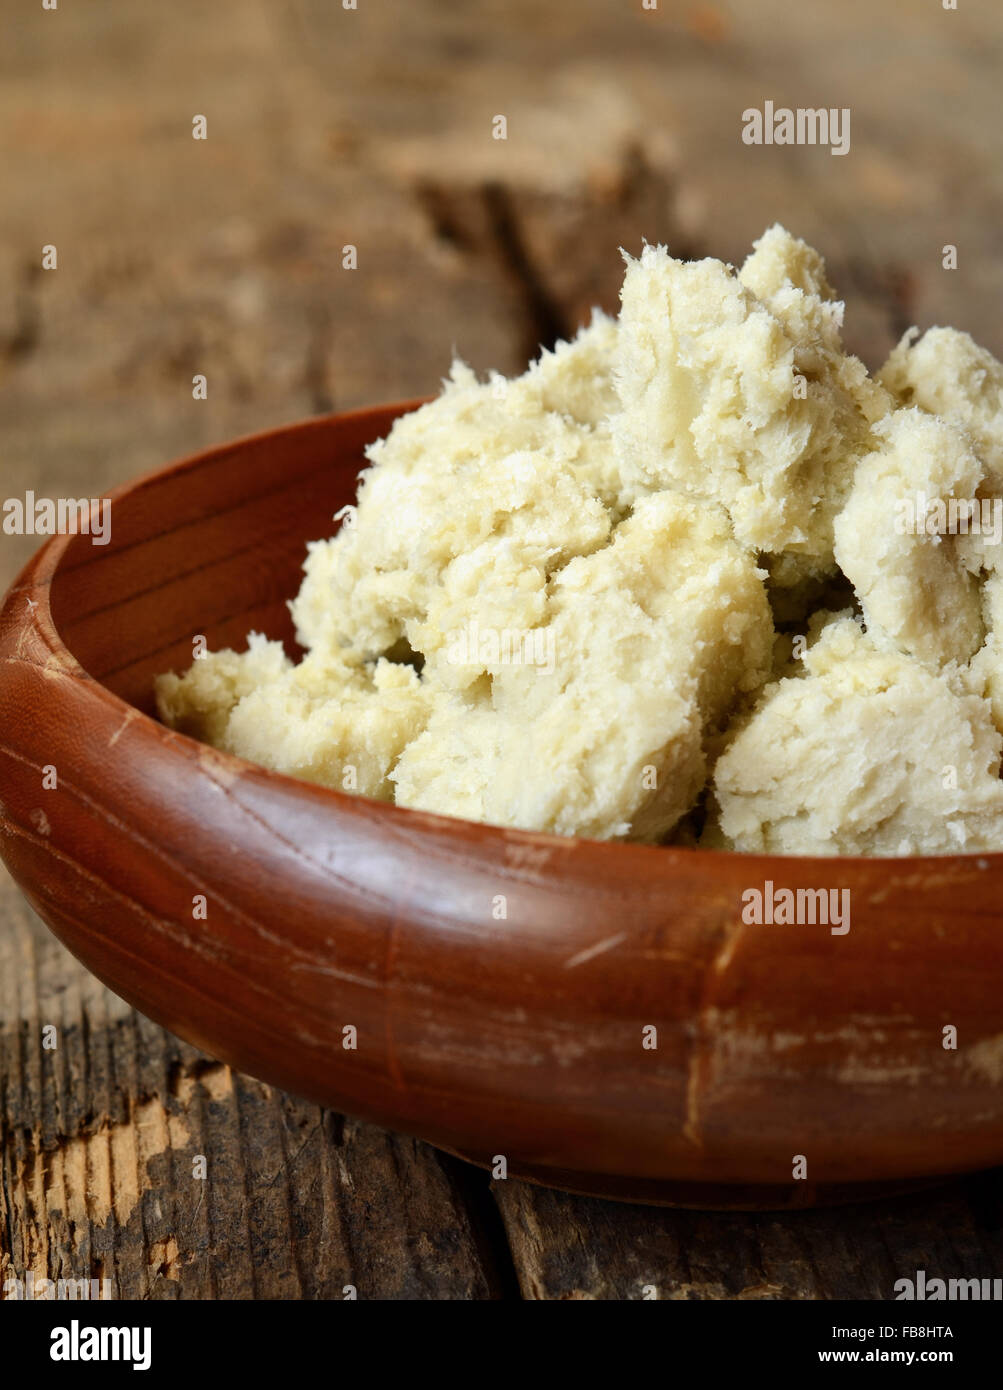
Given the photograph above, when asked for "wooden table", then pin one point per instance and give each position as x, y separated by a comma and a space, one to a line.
372, 128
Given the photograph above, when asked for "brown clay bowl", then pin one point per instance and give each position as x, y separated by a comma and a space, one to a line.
522, 1037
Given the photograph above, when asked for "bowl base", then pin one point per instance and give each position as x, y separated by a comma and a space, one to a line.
710, 1196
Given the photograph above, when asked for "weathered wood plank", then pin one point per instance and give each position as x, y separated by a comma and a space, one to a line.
568, 1247
98, 1139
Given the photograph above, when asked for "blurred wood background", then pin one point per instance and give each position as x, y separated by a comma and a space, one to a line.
373, 128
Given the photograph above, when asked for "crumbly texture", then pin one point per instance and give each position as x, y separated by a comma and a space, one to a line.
653, 637
324, 720
656, 583
870, 752
736, 387
984, 674
945, 373
915, 589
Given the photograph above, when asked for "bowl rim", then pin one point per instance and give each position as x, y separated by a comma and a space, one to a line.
42, 568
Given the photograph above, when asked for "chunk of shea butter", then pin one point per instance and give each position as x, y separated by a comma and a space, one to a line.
984, 673
945, 373
477, 477
326, 720
749, 402
914, 585
201, 701
869, 752
788, 276
651, 640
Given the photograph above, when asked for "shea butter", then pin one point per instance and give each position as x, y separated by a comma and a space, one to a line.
660, 587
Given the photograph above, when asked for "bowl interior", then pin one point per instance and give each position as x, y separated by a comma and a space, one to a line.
211, 547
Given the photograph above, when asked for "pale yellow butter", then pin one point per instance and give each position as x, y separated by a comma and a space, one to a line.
662, 562
870, 752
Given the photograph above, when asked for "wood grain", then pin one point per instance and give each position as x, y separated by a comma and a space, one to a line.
568, 1247
171, 263
98, 1138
